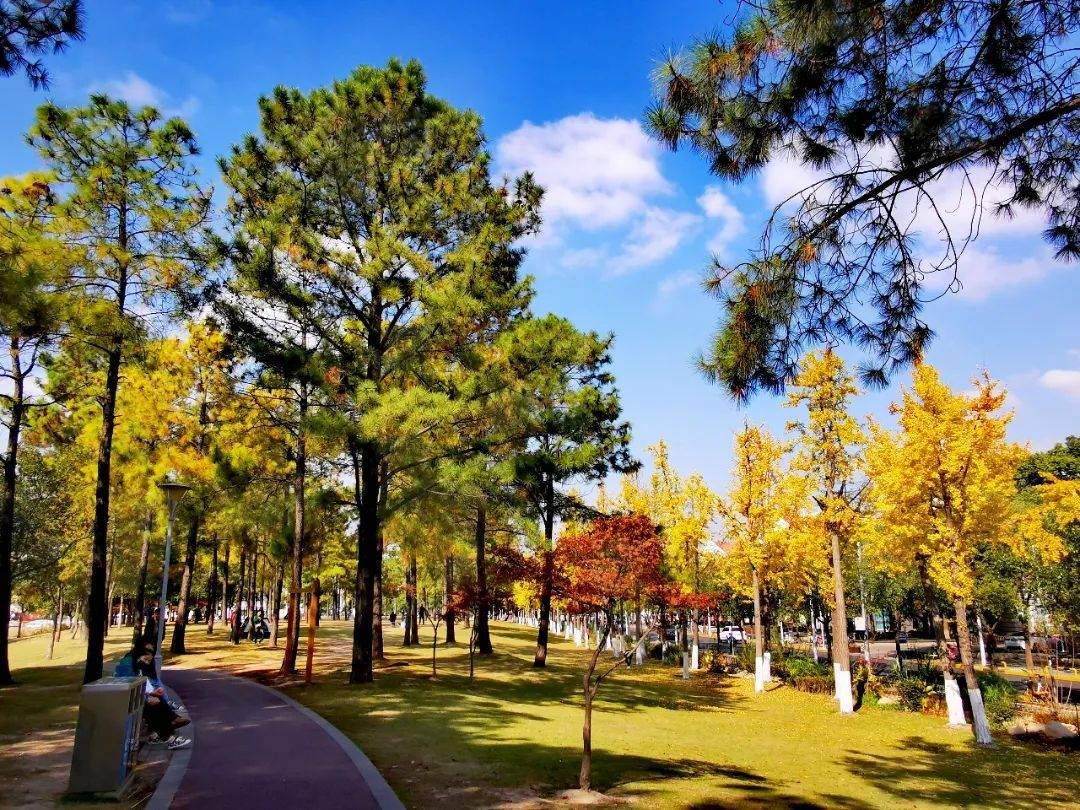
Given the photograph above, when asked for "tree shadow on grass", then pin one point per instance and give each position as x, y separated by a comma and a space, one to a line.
943, 774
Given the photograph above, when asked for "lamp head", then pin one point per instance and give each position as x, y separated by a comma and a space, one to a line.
172, 488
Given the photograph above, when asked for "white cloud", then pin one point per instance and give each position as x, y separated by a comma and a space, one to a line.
597, 172
784, 176
983, 273
962, 202
584, 257
138, 92
716, 205
1064, 381
670, 287
655, 236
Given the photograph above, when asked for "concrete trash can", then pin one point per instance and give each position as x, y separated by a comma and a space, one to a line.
107, 735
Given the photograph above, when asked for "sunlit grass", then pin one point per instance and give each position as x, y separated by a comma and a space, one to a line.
513, 733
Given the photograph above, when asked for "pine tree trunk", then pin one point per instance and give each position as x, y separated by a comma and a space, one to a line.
239, 598
841, 659
251, 597
366, 490
540, 659
279, 584
212, 591
225, 587
414, 612
980, 726
7, 508
109, 582
140, 585
288, 661
483, 632
448, 589
377, 650
95, 605
179, 632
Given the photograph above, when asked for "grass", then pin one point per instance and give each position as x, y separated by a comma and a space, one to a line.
512, 735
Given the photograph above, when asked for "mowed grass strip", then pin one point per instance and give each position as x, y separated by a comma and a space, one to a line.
512, 734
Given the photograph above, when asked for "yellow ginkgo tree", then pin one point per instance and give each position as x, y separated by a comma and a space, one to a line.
755, 515
829, 454
943, 486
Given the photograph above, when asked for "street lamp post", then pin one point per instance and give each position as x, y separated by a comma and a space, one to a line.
173, 490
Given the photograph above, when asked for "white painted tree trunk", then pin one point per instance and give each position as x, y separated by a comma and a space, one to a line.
695, 657
640, 655
759, 674
978, 715
953, 702
843, 690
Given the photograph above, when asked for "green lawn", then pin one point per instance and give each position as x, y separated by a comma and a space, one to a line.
512, 735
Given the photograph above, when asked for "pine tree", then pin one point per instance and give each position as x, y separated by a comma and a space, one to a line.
132, 205
385, 191
572, 421
32, 264
877, 101
29, 28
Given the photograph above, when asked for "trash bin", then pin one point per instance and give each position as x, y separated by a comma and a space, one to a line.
107, 735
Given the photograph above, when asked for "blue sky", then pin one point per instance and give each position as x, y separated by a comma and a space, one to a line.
629, 226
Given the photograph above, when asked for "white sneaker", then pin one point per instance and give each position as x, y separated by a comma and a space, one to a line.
178, 742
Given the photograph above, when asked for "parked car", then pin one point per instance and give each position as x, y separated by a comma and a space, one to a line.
1015, 644
902, 637
731, 632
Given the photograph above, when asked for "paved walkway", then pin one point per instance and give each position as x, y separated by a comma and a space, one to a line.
255, 748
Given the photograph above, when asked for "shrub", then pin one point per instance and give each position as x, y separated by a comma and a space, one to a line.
715, 661
913, 692
745, 657
999, 698
817, 684
799, 666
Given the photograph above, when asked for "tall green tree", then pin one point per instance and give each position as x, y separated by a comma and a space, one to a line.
382, 194
32, 261
877, 100
572, 421
134, 208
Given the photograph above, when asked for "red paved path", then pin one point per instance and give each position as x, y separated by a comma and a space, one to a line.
254, 750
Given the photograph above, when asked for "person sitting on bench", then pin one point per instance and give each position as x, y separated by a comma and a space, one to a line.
158, 711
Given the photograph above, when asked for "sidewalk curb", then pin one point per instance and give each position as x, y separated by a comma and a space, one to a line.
178, 764
383, 794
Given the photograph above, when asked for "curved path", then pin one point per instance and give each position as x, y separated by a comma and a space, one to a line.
257, 748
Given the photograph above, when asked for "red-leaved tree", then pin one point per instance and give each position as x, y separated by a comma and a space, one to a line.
613, 559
